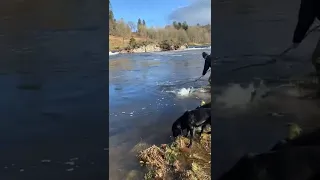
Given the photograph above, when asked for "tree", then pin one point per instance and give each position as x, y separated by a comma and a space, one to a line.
182, 37
185, 25
132, 42
111, 20
152, 33
143, 23
179, 25
123, 29
175, 25
142, 30
139, 25
132, 26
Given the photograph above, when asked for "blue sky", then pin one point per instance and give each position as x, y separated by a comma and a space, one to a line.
160, 13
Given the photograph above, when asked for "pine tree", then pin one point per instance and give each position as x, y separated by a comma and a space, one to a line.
179, 25
185, 25
175, 24
139, 25
143, 23
111, 20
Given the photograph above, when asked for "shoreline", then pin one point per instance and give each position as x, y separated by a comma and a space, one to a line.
175, 160
138, 50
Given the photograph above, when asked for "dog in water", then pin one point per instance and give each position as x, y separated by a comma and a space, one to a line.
192, 121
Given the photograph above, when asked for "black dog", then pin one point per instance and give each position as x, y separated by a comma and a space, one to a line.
192, 121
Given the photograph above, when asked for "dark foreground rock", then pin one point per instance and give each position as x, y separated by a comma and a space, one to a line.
296, 159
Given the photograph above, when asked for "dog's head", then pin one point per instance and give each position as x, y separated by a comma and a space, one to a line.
176, 127
176, 131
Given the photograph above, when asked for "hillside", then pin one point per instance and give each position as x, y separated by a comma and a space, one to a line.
116, 43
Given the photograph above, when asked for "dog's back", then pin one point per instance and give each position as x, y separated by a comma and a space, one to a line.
199, 116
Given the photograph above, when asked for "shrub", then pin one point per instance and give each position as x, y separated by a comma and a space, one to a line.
165, 45
132, 42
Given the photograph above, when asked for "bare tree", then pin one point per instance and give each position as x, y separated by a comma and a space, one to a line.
123, 30
132, 26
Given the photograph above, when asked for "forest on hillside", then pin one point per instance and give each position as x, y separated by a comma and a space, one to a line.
177, 32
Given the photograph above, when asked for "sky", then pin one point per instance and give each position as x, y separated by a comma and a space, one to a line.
162, 12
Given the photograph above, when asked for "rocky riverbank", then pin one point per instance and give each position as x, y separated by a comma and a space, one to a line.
152, 48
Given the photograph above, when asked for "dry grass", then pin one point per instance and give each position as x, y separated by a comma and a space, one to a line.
117, 43
176, 161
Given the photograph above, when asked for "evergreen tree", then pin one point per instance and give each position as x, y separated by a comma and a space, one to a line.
143, 23
111, 20
111, 16
185, 25
179, 25
175, 25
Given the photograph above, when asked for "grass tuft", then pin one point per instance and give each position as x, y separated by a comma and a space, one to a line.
176, 161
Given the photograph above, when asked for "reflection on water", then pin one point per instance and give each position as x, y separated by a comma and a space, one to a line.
120, 64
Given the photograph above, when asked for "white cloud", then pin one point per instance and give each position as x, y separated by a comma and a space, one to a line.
199, 11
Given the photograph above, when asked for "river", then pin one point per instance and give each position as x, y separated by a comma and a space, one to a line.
147, 93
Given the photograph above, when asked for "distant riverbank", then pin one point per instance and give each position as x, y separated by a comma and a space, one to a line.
157, 48
139, 45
